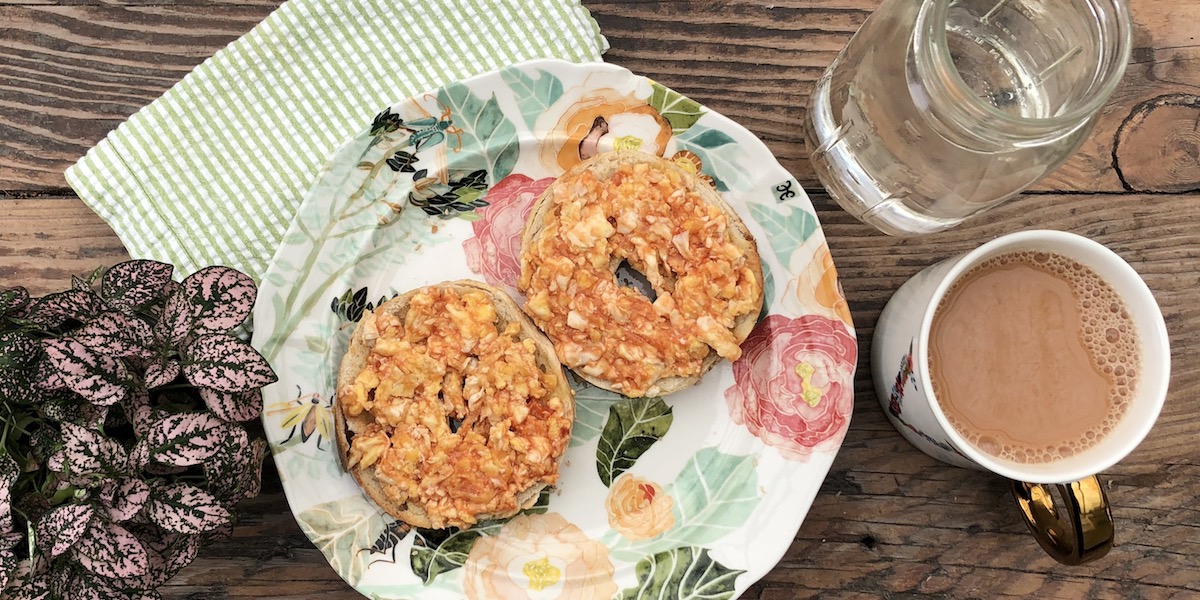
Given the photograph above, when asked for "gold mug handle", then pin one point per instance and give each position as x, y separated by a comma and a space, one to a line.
1081, 531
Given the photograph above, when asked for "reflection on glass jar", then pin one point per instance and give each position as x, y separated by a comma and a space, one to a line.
938, 110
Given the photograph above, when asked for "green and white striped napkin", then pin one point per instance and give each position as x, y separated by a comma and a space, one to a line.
213, 171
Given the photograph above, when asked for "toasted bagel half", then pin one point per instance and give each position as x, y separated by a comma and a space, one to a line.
451, 406
674, 228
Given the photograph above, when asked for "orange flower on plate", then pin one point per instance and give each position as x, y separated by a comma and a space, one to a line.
818, 290
538, 556
639, 509
602, 120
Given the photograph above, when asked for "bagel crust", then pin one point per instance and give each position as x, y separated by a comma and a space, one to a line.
677, 231
451, 406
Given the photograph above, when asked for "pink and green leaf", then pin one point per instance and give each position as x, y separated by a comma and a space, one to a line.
110, 550
99, 378
185, 508
169, 553
174, 325
52, 310
47, 377
129, 496
117, 334
61, 527
19, 354
88, 451
233, 406
67, 408
33, 588
186, 439
135, 283
137, 411
13, 302
235, 473
161, 371
226, 364
9, 565
9, 470
224, 297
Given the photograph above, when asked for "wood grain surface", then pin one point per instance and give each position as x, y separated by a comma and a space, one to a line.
889, 521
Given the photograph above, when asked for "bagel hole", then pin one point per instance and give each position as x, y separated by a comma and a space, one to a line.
628, 276
454, 423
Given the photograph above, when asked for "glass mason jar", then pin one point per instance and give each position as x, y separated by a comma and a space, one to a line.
940, 109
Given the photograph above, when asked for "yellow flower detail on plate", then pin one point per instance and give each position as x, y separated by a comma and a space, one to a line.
627, 142
809, 392
541, 574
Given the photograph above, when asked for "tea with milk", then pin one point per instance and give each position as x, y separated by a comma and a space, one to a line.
1033, 357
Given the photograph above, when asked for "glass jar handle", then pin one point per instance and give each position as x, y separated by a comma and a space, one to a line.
1079, 532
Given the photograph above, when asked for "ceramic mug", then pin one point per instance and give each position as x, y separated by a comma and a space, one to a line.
1082, 530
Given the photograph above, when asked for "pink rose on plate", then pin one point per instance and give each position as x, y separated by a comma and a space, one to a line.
495, 250
794, 384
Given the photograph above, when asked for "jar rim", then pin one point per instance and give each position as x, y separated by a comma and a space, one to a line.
931, 29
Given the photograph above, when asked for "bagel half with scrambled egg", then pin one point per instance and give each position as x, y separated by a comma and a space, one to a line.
451, 407
678, 232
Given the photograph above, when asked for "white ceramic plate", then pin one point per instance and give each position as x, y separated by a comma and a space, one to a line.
698, 492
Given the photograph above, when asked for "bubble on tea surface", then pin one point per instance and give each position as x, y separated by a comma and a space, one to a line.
989, 445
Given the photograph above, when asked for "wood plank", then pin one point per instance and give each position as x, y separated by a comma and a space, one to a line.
69, 73
44, 241
889, 520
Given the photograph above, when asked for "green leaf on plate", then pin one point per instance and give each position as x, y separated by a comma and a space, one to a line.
714, 494
682, 574
679, 110
787, 227
489, 139
634, 424
438, 551
533, 94
720, 154
341, 528
591, 409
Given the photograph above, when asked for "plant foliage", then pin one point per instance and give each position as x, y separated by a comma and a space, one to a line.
123, 447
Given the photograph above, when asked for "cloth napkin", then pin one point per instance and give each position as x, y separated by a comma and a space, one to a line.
212, 172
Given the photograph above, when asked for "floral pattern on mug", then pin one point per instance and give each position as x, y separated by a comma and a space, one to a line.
794, 384
817, 289
495, 250
639, 509
538, 556
601, 120
896, 402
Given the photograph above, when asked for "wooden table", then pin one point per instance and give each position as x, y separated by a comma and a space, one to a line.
889, 522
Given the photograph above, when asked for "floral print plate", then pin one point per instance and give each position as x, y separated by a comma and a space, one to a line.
696, 494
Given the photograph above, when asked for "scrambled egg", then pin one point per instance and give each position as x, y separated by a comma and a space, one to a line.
683, 246
464, 419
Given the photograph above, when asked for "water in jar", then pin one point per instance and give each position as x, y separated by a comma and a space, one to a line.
896, 146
